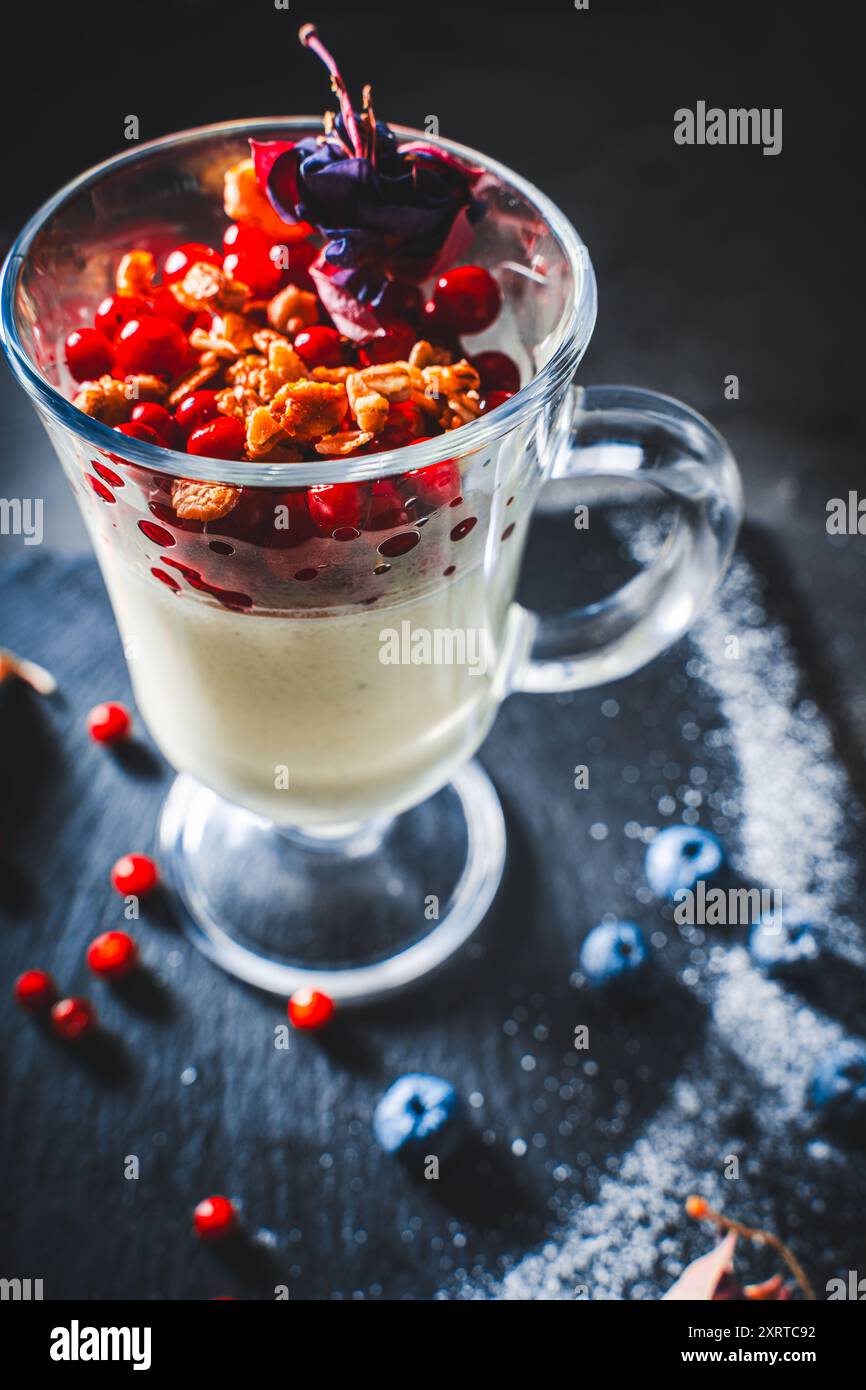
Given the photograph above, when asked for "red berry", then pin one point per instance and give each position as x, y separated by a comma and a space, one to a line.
157, 418
319, 346
88, 354
35, 990
109, 723
134, 875
400, 299
152, 345
467, 298
386, 506
135, 429
113, 954
116, 310
167, 306
178, 261
214, 1218
334, 505
493, 400
308, 1008
497, 372
73, 1018
195, 410
437, 484
405, 425
222, 438
394, 345
301, 257
248, 259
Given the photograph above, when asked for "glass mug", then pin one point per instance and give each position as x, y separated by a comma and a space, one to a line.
321, 691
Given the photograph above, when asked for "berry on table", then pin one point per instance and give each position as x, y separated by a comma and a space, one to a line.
214, 1218
838, 1087
613, 955
784, 945
35, 991
310, 1009
134, 875
73, 1018
466, 299
679, 856
88, 354
112, 954
109, 722
418, 1113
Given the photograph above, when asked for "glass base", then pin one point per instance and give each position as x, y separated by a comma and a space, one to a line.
358, 913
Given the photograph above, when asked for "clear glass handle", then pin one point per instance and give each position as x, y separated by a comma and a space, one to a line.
621, 432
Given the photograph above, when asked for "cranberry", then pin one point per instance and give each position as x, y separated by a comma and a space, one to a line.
435, 485
167, 306
178, 261
73, 1018
222, 438
134, 875
335, 505
386, 506
405, 425
289, 523
309, 1008
195, 410
135, 429
467, 298
394, 345
35, 990
116, 310
157, 418
497, 372
248, 259
319, 346
494, 399
113, 954
400, 299
109, 723
301, 257
152, 345
88, 354
214, 1218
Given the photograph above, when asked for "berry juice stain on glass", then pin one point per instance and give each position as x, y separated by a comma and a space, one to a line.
321, 419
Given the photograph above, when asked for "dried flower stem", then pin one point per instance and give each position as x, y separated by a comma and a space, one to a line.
702, 1211
309, 36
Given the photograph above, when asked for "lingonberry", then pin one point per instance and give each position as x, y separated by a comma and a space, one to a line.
214, 1218
334, 505
178, 261
309, 1008
497, 372
399, 300
88, 354
467, 298
319, 346
134, 875
494, 399
136, 429
116, 310
112, 954
221, 438
155, 346
386, 507
167, 306
35, 991
109, 722
157, 418
405, 425
394, 345
248, 258
73, 1018
195, 410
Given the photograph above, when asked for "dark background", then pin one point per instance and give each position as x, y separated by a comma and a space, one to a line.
710, 261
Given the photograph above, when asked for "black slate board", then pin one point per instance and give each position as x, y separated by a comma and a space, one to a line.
289, 1132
